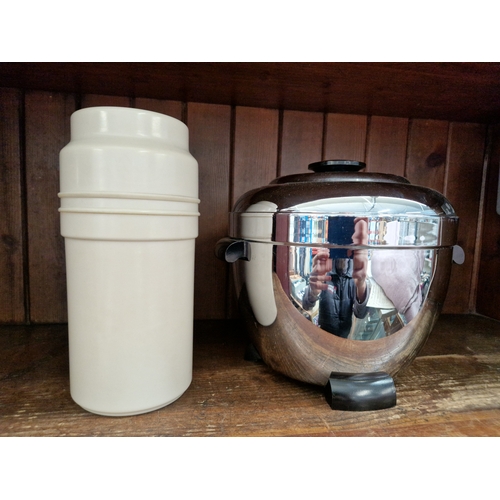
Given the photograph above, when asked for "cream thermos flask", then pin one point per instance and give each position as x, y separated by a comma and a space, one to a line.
129, 218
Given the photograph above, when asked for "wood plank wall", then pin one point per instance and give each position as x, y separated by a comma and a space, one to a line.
238, 148
488, 289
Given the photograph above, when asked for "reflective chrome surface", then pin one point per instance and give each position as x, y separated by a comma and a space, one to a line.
386, 244
326, 259
397, 284
392, 222
355, 253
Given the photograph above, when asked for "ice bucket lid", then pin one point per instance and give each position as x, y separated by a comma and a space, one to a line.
299, 209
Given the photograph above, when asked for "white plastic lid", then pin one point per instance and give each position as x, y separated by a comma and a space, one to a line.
114, 121
127, 151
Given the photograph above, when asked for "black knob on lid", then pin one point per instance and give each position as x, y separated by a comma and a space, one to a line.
337, 166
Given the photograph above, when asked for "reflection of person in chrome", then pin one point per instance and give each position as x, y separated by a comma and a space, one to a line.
399, 273
341, 285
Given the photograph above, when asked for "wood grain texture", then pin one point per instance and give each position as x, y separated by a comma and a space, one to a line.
386, 145
254, 162
451, 389
47, 132
260, 149
169, 108
210, 143
427, 153
447, 91
488, 296
91, 100
301, 141
464, 174
12, 297
345, 137
255, 149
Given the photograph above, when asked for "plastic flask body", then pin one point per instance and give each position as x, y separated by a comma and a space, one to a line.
129, 217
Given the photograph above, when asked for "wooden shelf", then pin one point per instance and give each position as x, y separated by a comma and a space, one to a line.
451, 389
468, 92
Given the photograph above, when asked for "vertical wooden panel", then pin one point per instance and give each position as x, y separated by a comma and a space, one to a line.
386, 145
488, 289
301, 142
47, 132
255, 159
463, 189
427, 149
345, 137
255, 149
11, 230
170, 108
210, 143
90, 100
